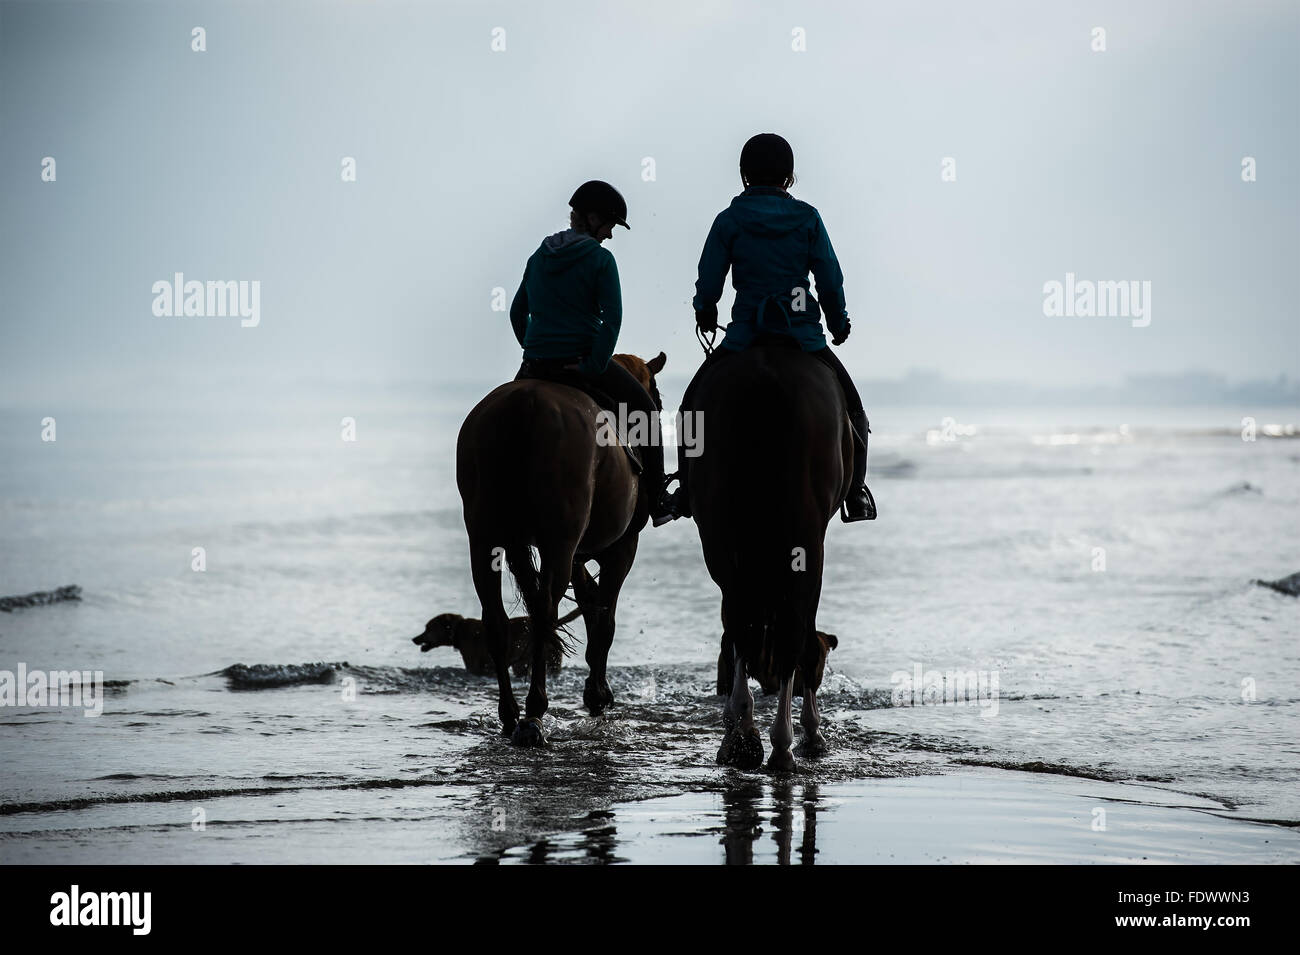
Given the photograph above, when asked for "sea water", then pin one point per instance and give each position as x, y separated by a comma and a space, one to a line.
252, 581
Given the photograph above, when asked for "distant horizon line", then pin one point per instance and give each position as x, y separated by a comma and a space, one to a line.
917, 386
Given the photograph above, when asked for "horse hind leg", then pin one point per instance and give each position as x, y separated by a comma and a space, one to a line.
742, 746
541, 591
587, 592
485, 565
791, 626
782, 732
813, 742
725, 676
615, 563
730, 666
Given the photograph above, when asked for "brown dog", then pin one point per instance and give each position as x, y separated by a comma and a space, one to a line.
465, 634
768, 680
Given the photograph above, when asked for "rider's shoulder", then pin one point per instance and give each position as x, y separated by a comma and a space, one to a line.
806, 207
726, 220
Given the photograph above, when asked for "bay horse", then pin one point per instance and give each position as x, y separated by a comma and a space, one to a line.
777, 462
532, 473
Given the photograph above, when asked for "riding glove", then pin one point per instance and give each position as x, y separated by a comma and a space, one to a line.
707, 319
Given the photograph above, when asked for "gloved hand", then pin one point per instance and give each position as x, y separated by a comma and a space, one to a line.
839, 339
707, 318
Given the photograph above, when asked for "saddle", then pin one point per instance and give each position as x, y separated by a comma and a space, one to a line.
552, 369
774, 340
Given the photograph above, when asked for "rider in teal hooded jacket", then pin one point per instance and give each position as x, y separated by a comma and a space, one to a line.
571, 289
771, 241
568, 312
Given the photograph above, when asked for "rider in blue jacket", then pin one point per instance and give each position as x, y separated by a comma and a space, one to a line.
770, 241
567, 314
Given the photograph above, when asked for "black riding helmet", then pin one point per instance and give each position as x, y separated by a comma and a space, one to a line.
767, 159
602, 199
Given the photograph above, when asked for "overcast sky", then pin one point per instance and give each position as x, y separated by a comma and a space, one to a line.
225, 165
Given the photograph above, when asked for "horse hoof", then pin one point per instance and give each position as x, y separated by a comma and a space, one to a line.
741, 749
597, 699
781, 761
813, 745
529, 733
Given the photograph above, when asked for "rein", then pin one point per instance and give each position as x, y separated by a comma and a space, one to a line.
706, 339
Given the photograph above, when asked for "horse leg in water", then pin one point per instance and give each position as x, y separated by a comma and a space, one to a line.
542, 596
725, 676
788, 627
587, 592
742, 746
813, 743
602, 598
487, 583
782, 732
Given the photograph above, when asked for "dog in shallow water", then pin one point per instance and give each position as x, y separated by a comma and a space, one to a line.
465, 635
767, 678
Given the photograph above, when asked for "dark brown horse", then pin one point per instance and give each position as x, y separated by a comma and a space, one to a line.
776, 463
533, 472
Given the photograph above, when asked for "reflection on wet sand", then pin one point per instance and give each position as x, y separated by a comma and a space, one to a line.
753, 810
745, 807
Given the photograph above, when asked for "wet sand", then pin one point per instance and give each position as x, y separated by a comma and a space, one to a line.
969, 815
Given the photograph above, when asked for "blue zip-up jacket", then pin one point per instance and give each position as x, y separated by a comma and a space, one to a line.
569, 302
771, 241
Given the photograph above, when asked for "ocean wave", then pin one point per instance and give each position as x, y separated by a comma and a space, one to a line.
40, 598
336, 525
262, 676
198, 795
1242, 489
1061, 769
664, 693
1286, 585
899, 469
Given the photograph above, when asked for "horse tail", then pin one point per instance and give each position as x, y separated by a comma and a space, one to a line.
780, 612
541, 615
779, 559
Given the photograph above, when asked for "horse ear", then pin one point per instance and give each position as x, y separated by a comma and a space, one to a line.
657, 363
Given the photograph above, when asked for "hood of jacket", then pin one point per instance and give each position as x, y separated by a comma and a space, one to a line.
564, 249
767, 211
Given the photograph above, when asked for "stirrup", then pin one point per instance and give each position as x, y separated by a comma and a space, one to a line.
681, 503
868, 515
666, 510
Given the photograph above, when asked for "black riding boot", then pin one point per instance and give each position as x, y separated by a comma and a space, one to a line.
859, 505
662, 509
680, 498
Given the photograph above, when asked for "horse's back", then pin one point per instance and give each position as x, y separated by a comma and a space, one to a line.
521, 428
527, 459
776, 432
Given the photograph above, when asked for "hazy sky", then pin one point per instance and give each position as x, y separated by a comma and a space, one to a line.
225, 165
